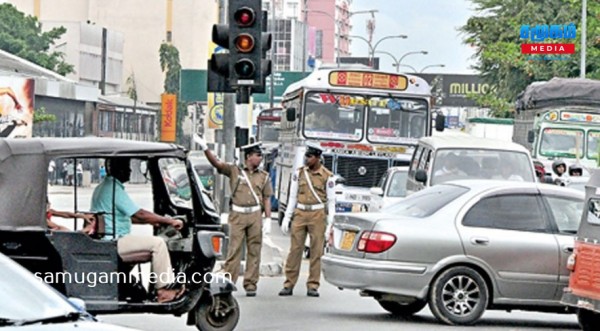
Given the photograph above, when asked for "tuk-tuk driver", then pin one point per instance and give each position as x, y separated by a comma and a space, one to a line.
127, 212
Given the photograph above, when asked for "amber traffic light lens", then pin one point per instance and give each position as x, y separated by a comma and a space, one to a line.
244, 43
244, 16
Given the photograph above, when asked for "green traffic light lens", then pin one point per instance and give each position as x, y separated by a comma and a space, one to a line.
244, 68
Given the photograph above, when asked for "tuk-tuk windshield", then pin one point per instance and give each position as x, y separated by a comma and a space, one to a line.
176, 180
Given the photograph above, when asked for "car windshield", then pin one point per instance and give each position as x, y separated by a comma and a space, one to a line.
426, 202
562, 143
397, 188
27, 297
454, 164
334, 116
396, 120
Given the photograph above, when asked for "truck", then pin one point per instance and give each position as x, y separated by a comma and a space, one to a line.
560, 119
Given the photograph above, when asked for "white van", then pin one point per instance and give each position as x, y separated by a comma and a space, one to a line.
443, 158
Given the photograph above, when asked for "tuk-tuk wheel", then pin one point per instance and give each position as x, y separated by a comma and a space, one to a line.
218, 313
588, 320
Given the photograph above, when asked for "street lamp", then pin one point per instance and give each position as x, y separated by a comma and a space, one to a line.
398, 61
339, 24
372, 48
432, 65
408, 66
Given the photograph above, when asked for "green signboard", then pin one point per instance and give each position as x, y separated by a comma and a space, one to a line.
193, 85
280, 82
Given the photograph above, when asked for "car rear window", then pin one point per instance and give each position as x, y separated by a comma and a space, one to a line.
427, 201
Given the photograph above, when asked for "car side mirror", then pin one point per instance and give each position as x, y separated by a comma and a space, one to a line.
376, 191
530, 136
548, 179
78, 303
290, 114
421, 176
440, 122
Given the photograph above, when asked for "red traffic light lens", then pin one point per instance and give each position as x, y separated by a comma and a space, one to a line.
244, 16
244, 43
244, 68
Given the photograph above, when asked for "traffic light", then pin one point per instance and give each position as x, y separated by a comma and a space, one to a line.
248, 45
244, 69
218, 65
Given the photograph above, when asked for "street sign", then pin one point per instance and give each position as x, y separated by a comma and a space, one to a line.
281, 80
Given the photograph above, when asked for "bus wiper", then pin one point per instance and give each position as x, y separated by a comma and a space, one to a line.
70, 317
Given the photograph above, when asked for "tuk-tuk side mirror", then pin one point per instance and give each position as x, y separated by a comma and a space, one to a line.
440, 122
290, 114
376, 191
530, 136
421, 176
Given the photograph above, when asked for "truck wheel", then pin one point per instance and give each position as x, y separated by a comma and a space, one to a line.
588, 320
218, 313
458, 296
400, 309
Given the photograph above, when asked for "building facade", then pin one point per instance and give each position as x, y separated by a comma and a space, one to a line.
142, 25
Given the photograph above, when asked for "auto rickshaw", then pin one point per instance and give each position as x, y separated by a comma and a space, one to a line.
25, 237
583, 292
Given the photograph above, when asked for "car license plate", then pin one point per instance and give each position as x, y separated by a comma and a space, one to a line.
347, 240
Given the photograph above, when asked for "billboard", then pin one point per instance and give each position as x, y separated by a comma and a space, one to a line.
16, 107
454, 88
168, 127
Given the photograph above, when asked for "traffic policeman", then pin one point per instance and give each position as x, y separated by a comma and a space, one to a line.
310, 208
250, 195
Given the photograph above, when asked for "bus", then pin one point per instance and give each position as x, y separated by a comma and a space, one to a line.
366, 121
267, 124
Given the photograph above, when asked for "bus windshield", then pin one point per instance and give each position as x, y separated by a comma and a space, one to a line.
268, 131
334, 116
391, 118
562, 143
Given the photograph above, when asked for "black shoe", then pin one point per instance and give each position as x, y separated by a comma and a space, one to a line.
250, 293
312, 292
286, 292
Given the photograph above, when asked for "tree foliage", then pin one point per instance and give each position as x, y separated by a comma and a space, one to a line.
171, 66
22, 36
494, 33
40, 115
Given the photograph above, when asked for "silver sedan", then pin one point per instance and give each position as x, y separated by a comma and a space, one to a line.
461, 247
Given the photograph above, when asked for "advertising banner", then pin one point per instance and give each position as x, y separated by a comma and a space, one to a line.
16, 107
168, 127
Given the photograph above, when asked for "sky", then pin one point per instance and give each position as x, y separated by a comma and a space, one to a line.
431, 25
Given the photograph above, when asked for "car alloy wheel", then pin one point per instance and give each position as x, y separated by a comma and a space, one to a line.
458, 296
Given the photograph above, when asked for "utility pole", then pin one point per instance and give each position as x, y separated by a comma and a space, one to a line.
272, 78
227, 150
305, 18
583, 38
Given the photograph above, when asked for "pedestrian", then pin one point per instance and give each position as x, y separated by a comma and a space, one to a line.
70, 173
51, 172
79, 173
250, 195
102, 172
310, 209
64, 172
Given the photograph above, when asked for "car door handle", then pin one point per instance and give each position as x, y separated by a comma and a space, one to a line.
480, 241
567, 249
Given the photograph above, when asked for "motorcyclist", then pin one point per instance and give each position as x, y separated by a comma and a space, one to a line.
575, 170
559, 167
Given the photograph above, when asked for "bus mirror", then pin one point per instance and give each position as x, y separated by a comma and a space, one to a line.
440, 122
290, 114
530, 136
421, 176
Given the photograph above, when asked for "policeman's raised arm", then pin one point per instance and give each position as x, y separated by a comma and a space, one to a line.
210, 156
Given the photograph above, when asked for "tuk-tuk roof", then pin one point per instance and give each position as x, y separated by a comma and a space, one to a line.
24, 165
